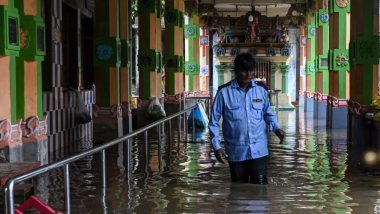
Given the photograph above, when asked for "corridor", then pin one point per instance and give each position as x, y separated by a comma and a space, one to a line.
311, 172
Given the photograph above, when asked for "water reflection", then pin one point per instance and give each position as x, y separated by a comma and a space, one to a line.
313, 171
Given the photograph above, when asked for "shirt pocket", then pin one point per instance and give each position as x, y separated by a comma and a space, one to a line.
233, 113
257, 110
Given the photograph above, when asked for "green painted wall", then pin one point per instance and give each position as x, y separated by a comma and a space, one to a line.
148, 59
321, 61
192, 66
31, 26
310, 64
10, 49
174, 63
341, 52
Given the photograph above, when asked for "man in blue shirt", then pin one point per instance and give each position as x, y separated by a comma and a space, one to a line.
246, 112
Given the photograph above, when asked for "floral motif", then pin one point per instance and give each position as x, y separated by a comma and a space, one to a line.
341, 60
342, 3
190, 31
324, 16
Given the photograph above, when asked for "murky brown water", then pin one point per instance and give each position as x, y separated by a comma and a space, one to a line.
312, 172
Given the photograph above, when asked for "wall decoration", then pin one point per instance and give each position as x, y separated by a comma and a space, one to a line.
341, 60
271, 51
342, 3
235, 51
220, 51
312, 68
203, 40
324, 17
286, 51
190, 67
312, 31
204, 70
24, 38
104, 52
190, 31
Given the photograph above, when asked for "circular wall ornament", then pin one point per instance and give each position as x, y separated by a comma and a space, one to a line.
341, 60
191, 67
324, 17
190, 31
204, 70
342, 3
312, 68
204, 40
312, 31
104, 52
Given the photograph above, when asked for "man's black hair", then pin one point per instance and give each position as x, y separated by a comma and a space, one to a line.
244, 62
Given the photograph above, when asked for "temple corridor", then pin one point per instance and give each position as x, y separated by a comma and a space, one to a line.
314, 171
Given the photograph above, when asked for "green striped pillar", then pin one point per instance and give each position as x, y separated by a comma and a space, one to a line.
29, 62
9, 50
107, 67
174, 54
310, 56
364, 51
192, 52
284, 70
149, 55
322, 47
338, 49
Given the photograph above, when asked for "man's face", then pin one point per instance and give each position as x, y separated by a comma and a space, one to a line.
244, 76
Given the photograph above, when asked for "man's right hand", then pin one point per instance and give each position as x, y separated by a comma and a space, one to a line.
220, 155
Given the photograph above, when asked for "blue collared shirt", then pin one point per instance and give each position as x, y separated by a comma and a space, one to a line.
245, 116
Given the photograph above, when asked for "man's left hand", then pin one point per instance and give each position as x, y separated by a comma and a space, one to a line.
280, 134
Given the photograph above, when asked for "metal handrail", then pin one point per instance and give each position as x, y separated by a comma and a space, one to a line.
9, 186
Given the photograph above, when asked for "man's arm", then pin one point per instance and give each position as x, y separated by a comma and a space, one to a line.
214, 127
271, 118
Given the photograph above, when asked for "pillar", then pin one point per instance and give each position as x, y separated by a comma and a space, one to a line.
174, 50
310, 61
9, 50
364, 51
322, 47
192, 53
339, 67
150, 49
284, 70
364, 63
28, 64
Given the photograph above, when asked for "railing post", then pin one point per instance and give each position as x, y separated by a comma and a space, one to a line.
11, 207
193, 120
103, 159
67, 188
170, 131
179, 128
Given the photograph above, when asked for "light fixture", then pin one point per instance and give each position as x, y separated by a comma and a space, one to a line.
250, 17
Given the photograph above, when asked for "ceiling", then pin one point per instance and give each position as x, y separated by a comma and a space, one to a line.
237, 8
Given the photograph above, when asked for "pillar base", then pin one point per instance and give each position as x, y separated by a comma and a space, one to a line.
320, 109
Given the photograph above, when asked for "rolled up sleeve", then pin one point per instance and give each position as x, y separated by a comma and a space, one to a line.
214, 126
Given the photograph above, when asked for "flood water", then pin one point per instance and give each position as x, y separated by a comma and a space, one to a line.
312, 172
